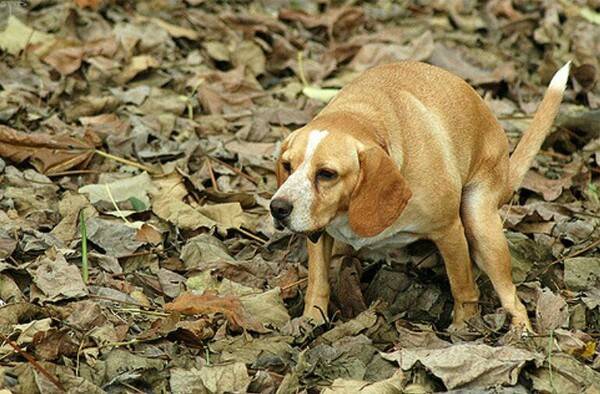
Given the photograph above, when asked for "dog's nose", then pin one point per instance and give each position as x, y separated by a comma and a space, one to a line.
280, 208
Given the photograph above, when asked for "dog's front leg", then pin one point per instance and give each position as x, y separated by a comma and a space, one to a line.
317, 293
454, 249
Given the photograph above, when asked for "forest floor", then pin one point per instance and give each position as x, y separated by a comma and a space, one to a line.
136, 165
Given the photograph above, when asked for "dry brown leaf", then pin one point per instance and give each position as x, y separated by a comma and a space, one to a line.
228, 305
550, 189
49, 154
338, 21
65, 60
149, 234
88, 3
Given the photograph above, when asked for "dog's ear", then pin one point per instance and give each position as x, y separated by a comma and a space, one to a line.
379, 196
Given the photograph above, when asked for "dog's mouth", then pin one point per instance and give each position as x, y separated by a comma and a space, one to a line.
313, 235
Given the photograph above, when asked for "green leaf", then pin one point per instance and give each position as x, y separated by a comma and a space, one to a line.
137, 204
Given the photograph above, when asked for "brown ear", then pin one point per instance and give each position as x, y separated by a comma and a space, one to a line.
380, 195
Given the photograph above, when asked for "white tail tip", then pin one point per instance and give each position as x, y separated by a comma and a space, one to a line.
559, 80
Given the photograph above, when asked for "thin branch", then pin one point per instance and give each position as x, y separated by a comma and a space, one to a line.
30, 359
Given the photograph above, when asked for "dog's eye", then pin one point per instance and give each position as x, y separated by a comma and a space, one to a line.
326, 175
287, 167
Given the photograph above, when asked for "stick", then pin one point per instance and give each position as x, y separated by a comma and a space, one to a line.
34, 363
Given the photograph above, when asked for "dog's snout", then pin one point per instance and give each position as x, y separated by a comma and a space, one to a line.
280, 208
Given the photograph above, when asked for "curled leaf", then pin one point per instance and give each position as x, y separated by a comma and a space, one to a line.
228, 305
49, 154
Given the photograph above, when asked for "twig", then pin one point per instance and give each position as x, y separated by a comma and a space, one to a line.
123, 302
118, 344
30, 359
132, 388
425, 258
138, 254
293, 284
301, 69
73, 172
249, 234
213, 180
558, 260
512, 200
554, 154
125, 161
80, 349
114, 203
234, 169
141, 311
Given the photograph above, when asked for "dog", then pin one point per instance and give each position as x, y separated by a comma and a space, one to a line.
408, 151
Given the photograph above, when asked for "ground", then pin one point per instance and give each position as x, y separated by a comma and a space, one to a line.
136, 250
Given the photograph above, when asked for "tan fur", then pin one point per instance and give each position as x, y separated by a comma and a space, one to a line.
376, 201
419, 155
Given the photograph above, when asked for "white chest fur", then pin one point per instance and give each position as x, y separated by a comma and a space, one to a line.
391, 239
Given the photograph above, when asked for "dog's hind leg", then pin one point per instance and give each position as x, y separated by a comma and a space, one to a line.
489, 247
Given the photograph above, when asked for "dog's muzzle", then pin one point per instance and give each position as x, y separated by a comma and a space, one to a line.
281, 210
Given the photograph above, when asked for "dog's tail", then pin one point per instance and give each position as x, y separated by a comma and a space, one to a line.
532, 140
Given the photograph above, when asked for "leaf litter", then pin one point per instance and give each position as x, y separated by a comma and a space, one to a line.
158, 123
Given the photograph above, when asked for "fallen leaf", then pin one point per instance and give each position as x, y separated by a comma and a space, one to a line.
267, 307
56, 280
468, 365
202, 250
230, 306
365, 320
65, 60
415, 336
250, 55
226, 216
582, 273
8, 243
273, 352
339, 22
137, 187
393, 385
115, 237
70, 207
88, 3
17, 36
176, 31
28, 331
218, 379
136, 65
148, 234
551, 312
47, 153
452, 60
550, 189
347, 358
167, 204
374, 54
567, 375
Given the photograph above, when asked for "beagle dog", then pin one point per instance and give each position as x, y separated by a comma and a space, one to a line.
408, 151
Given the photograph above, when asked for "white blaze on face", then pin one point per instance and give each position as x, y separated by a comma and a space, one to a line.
298, 190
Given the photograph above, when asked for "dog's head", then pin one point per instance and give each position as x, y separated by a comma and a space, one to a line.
324, 173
